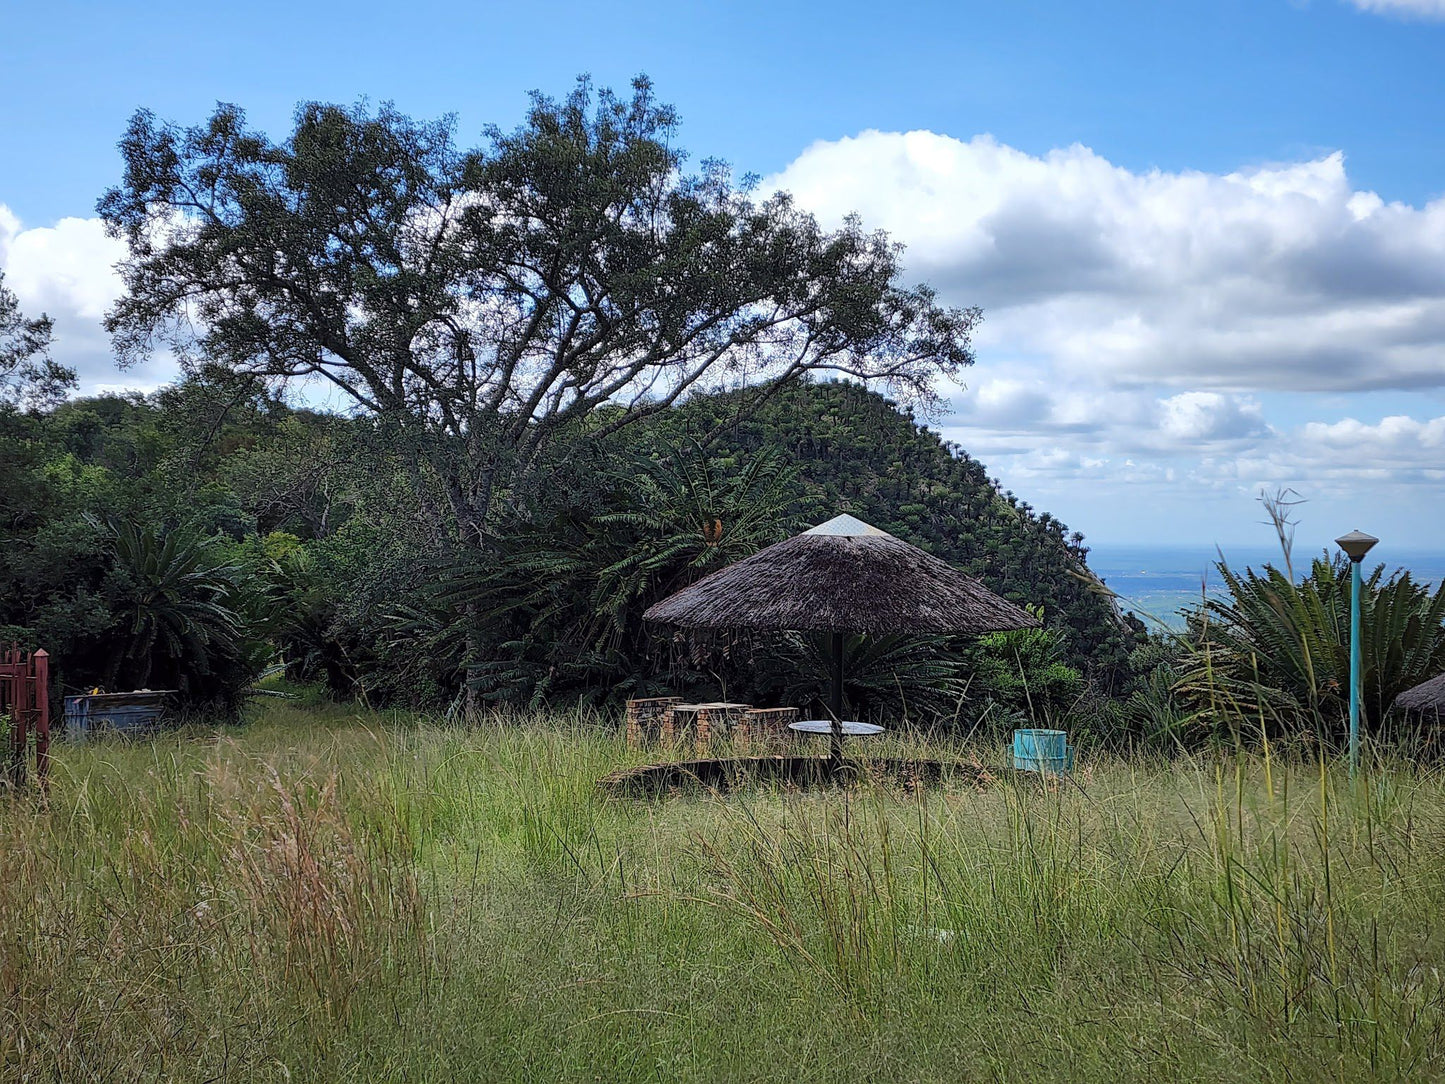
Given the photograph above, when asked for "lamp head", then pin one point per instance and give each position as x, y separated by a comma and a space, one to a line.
1356, 544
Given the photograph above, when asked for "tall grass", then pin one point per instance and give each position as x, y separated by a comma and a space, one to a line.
326, 895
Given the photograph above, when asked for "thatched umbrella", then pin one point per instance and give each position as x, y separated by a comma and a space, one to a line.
841, 576
1427, 699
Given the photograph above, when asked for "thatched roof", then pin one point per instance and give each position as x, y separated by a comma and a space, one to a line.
1428, 696
842, 576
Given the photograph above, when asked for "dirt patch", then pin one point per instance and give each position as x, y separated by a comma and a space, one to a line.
732, 773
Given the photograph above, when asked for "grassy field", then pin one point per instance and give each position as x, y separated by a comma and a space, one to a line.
327, 895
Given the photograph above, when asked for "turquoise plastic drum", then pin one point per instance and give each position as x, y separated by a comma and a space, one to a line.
1042, 751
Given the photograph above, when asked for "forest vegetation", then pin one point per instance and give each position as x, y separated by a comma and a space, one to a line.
253, 532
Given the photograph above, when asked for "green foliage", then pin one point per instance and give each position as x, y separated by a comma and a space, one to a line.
572, 582
1153, 711
315, 514
1274, 654
856, 451
333, 894
524, 330
29, 377
53, 558
1024, 672
572, 587
166, 605
894, 678
478, 305
179, 612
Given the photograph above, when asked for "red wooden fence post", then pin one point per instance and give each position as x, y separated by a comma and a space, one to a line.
25, 697
42, 718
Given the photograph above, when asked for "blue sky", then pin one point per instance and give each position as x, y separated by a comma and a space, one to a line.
1165, 208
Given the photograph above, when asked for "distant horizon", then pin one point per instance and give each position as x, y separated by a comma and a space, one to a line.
1252, 544
1387, 554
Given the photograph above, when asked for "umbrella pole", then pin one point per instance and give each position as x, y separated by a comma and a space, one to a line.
835, 703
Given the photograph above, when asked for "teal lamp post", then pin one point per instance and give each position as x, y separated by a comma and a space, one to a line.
1355, 544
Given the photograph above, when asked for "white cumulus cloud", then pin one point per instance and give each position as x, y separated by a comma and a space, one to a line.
1210, 416
1428, 9
67, 271
1281, 276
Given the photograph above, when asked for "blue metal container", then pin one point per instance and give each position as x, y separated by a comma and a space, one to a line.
1042, 751
132, 714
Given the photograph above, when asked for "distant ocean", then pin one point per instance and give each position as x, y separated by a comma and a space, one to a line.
1160, 580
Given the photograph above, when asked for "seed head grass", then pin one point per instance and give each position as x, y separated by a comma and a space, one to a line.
328, 894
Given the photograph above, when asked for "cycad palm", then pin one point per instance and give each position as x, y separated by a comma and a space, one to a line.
1281, 648
894, 676
169, 593
561, 598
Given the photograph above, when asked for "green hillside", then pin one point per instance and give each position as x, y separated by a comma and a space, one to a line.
858, 452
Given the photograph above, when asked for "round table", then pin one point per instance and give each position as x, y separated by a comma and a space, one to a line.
825, 726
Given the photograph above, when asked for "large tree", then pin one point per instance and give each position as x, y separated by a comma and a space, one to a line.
479, 304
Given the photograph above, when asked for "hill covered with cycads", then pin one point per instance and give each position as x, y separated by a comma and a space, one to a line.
297, 527
858, 452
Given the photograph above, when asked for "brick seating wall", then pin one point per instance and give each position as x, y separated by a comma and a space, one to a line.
764, 727
656, 719
718, 723
650, 720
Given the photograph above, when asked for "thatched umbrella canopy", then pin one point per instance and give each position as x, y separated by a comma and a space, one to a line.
842, 576
1427, 698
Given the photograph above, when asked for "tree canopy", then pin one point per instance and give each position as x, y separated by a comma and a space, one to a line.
479, 303
29, 376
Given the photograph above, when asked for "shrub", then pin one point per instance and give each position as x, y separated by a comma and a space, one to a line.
1023, 671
